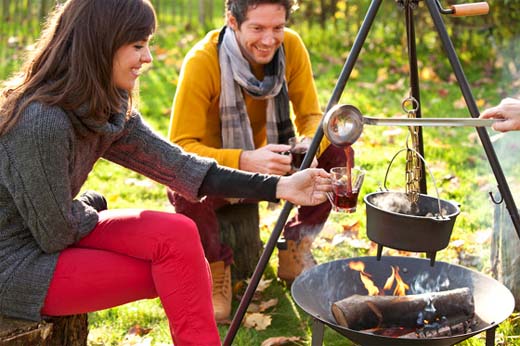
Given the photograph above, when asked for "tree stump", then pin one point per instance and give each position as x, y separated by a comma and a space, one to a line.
505, 257
55, 331
239, 228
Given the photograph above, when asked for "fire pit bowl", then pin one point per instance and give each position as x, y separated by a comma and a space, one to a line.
420, 231
318, 288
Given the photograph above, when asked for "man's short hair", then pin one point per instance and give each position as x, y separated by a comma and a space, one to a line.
239, 8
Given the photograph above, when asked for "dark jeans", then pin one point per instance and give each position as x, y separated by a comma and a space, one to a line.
307, 220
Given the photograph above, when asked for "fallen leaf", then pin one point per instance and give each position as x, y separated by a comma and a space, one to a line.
351, 229
428, 74
443, 92
382, 75
481, 103
460, 103
138, 330
268, 304
238, 287
283, 340
253, 308
257, 321
395, 86
459, 243
339, 238
262, 285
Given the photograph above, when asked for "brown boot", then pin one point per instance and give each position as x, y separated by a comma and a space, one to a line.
295, 259
221, 275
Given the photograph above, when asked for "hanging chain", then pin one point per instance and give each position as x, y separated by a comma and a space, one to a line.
413, 172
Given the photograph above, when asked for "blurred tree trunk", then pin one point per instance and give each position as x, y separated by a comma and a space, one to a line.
202, 12
5, 10
190, 14
206, 13
44, 9
323, 13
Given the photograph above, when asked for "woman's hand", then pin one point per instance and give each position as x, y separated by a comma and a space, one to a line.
306, 187
509, 110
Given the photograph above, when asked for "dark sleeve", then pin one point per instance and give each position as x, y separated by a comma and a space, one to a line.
224, 182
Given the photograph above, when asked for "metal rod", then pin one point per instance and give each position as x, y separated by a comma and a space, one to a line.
318, 331
503, 186
313, 148
414, 83
430, 122
443, 10
490, 336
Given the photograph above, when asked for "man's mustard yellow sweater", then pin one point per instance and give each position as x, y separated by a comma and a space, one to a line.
195, 122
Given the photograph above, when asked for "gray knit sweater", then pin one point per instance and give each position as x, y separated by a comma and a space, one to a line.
44, 161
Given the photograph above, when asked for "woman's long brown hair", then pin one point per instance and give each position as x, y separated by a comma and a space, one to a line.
72, 62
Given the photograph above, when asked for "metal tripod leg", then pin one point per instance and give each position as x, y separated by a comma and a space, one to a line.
503, 187
313, 148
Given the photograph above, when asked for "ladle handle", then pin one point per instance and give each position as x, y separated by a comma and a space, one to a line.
474, 9
430, 121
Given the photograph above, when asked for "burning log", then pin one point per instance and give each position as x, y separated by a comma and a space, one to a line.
437, 329
359, 312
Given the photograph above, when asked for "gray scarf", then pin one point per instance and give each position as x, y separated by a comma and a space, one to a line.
236, 76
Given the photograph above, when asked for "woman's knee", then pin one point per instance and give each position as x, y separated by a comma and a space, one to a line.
174, 229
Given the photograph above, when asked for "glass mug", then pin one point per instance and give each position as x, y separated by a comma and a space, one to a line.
345, 190
298, 151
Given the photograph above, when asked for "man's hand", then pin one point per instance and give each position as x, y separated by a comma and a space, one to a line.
271, 159
306, 187
509, 110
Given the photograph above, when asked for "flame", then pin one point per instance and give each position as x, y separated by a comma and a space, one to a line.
400, 287
359, 266
390, 281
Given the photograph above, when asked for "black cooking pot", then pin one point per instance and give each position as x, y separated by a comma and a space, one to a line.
422, 226
425, 228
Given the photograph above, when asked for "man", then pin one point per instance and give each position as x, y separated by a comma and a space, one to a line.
233, 104
509, 111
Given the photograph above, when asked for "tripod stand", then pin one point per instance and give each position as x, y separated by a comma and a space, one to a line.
435, 10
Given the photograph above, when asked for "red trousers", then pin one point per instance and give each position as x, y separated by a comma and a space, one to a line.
137, 254
308, 221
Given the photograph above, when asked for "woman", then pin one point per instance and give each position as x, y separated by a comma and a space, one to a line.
61, 255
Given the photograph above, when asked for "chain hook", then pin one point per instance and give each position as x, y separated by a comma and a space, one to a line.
492, 197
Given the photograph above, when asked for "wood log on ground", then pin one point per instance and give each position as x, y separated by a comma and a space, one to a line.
55, 331
359, 312
239, 228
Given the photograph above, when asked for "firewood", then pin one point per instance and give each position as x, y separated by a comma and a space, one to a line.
359, 312
435, 330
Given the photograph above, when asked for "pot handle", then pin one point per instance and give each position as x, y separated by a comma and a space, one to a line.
429, 171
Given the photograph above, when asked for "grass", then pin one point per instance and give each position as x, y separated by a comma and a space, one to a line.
377, 86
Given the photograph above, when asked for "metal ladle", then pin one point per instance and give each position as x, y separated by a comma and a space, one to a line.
343, 124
